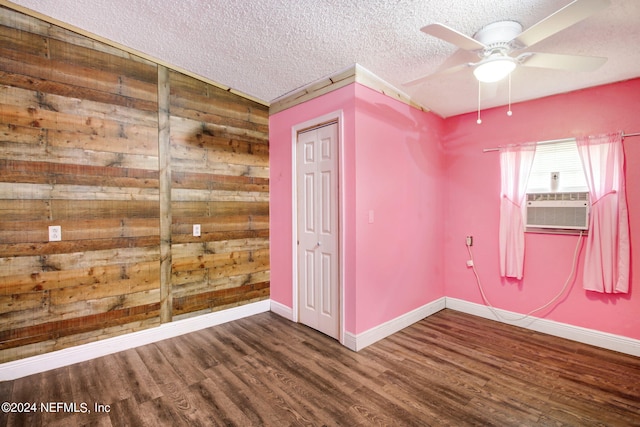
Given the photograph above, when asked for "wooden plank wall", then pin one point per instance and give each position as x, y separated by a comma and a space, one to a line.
80, 145
220, 180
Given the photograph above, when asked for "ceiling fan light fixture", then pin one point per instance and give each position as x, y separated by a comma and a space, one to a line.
494, 69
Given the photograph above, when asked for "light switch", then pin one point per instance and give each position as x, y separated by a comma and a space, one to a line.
55, 233
196, 230
371, 217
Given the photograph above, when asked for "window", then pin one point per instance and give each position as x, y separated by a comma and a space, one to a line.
557, 168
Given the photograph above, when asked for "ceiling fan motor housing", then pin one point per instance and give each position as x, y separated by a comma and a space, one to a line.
498, 37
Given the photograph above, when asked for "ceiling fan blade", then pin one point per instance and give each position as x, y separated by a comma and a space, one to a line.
572, 13
561, 62
460, 56
449, 70
452, 36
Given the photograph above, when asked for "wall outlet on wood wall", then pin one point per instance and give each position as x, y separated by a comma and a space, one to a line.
196, 230
55, 233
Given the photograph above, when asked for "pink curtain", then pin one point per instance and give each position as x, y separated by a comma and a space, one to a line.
607, 255
515, 167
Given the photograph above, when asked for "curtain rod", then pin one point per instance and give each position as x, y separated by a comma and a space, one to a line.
555, 141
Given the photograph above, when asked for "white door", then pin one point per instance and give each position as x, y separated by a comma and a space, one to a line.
317, 199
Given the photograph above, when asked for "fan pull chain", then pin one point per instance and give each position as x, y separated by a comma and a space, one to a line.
479, 121
509, 112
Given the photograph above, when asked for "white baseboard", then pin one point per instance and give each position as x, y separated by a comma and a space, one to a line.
84, 352
282, 310
587, 336
366, 338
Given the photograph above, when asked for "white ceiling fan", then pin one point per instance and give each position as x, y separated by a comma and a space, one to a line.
496, 44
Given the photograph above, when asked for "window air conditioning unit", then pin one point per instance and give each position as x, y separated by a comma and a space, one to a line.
557, 211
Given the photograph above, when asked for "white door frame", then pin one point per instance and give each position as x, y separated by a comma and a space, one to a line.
335, 116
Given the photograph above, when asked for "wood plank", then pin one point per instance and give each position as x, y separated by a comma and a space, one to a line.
12, 190
104, 209
219, 105
86, 57
233, 261
58, 173
85, 108
41, 84
25, 210
218, 168
80, 289
30, 318
22, 115
66, 155
220, 298
118, 288
64, 247
18, 266
61, 210
234, 151
39, 73
182, 225
11, 133
211, 209
131, 139
73, 310
31, 24
191, 126
128, 277
19, 40
233, 125
164, 144
138, 323
194, 249
37, 231
77, 260
182, 180
186, 86
192, 195
77, 339
75, 325
190, 277
196, 282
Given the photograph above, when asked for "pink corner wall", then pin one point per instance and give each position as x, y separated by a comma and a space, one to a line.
429, 185
399, 178
393, 165
472, 207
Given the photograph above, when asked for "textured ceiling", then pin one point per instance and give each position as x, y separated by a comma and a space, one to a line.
269, 48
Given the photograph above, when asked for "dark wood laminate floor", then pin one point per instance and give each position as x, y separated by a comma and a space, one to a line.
449, 369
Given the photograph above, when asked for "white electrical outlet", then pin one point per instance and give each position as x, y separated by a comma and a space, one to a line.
55, 233
196, 230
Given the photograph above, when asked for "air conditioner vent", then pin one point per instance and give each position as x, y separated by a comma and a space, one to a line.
557, 211
572, 197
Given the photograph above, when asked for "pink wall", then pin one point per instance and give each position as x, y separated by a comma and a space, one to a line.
429, 185
399, 171
393, 165
472, 207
